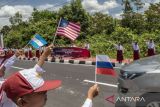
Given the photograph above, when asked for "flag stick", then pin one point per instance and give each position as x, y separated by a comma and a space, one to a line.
95, 71
56, 31
27, 49
26, 45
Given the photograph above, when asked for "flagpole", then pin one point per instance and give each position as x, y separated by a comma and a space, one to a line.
56, 31
26, 45
95, 71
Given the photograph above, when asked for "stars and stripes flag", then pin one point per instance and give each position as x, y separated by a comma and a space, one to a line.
68, 29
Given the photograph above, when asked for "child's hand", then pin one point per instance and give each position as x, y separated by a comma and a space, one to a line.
93, 91
48, 50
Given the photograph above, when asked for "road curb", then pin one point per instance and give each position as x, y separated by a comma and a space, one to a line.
71, 61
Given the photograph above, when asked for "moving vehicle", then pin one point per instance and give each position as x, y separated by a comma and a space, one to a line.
139, 83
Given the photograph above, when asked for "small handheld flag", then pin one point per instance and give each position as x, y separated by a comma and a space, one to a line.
68, 29
37, 41
104, 66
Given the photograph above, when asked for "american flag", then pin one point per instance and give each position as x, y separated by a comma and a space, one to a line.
68, 29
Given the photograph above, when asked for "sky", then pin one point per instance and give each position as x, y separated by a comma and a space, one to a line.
9, 7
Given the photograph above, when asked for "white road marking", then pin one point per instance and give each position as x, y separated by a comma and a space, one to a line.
17, 67
106, 84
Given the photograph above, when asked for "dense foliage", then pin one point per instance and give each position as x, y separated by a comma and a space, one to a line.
100, 30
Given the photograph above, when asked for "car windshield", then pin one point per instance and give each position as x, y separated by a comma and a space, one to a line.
143, 65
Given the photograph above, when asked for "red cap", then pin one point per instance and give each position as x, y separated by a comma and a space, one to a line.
25, 82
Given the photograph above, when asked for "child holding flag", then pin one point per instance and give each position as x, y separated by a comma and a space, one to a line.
27, 88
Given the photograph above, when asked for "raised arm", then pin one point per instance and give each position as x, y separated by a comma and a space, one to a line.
45, 54
115, 45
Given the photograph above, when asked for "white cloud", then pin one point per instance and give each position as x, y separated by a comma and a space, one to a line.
156, 1
147, 3
8, 11
151, 1
118, 15
26, 11
68, 0
90, 5
3, 21
94, 6
146, 6
48, 7
43, 7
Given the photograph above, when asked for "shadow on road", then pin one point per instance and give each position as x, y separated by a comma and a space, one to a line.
120, 104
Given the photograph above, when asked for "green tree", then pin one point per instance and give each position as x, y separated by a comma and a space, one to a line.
43, 15
138, 23
100, 30
16, 19
127, 13
5, 29
153, 17
130, 18
101, 24
138, 4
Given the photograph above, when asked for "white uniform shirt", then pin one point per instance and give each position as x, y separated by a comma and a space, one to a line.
87, 103
30, 49
25, 49
135, 47
119, 47
150, 45
87, 46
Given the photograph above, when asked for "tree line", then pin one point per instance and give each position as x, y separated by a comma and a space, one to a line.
98, 29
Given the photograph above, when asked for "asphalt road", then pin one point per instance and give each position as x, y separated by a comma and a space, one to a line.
73, 91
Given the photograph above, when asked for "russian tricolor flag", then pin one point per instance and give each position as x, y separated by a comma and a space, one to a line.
104, 66
37, 41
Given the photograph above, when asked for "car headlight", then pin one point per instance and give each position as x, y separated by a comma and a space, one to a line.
128, 75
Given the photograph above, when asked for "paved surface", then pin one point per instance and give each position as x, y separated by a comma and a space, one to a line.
73, 91
94, 59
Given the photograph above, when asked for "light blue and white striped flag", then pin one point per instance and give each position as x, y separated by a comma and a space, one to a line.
37, 41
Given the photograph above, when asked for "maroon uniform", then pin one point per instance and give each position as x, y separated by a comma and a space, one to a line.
136, 51
26, 52
151, 48
37, 53
119, 53
30, 53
